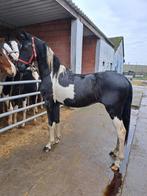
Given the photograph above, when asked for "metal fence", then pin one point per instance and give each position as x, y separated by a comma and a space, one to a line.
3, 99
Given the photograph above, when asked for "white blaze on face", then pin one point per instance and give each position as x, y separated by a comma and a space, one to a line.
60, 93
14, 51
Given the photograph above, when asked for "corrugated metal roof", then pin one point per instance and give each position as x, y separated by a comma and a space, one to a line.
19, 13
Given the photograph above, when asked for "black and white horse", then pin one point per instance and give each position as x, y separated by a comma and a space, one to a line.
61, 86
12, 50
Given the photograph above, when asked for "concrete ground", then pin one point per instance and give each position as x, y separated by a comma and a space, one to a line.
79, 165
136, 177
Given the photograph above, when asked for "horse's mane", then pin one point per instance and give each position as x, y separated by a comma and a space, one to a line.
53, 61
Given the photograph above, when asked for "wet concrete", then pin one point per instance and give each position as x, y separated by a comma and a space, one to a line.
79, 165
136, 178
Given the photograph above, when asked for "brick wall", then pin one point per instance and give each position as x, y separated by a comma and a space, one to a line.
89, 50
57, 34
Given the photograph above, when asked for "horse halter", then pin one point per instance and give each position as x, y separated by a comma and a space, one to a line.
33, 56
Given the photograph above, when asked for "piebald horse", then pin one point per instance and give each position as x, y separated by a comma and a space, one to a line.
11, 49
61, 86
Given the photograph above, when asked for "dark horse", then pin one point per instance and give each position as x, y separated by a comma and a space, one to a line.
61, 86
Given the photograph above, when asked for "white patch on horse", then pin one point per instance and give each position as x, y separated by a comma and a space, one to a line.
35, 75
60, 93
121, 131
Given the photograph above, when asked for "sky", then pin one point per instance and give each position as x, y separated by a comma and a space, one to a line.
127, 18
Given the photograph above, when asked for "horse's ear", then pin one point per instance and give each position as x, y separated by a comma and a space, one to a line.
22, 36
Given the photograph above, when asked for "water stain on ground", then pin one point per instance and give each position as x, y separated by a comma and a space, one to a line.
114, 187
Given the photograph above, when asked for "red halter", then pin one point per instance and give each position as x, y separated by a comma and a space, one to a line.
34, 54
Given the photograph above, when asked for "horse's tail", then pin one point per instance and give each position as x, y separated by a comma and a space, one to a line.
127, 112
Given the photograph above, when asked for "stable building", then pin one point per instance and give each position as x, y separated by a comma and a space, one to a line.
75, 39
118, 59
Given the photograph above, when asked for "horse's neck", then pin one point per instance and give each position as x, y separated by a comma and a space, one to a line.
42, 58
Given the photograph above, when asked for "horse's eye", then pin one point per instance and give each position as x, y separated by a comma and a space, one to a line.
1, 54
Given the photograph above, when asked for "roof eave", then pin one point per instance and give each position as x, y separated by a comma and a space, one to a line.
77, 13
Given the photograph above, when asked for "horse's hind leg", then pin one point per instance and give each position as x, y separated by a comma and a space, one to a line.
118, 152
114, 153
121, 132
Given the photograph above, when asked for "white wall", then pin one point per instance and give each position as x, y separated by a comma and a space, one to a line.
106, 56
118, 59
76, 45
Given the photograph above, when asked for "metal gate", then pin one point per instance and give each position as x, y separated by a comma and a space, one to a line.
3, 115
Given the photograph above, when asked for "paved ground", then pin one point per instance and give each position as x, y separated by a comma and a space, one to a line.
136, 177
79, 165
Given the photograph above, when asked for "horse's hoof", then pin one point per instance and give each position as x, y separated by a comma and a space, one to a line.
114, 168
46, 149
112, 154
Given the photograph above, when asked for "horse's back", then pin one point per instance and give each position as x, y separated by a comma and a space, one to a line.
113, 79
114, 87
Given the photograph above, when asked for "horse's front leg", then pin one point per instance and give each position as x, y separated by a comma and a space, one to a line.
57, 133
54, 133
57, 120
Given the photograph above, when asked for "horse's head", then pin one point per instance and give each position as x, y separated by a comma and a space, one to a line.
32, 48
27, 53
6, 65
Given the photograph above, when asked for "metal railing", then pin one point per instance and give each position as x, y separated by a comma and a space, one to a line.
4, 99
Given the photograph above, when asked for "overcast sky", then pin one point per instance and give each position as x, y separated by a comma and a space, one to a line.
127, 18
